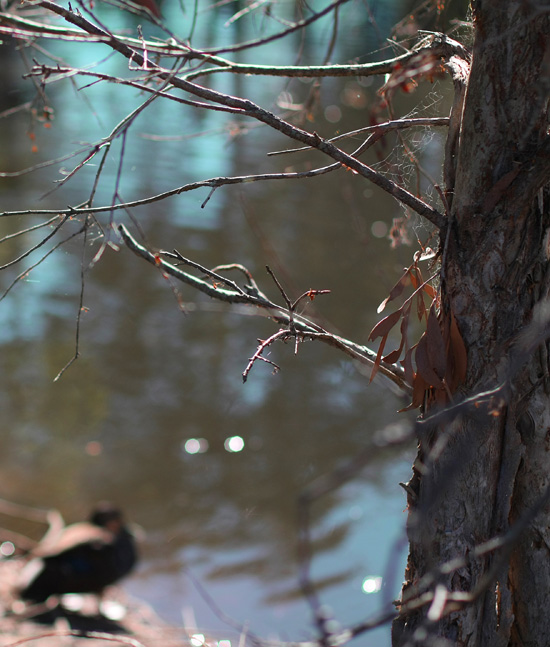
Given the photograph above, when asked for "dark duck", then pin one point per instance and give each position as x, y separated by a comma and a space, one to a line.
81, 558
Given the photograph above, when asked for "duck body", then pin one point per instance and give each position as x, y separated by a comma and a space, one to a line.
83, 558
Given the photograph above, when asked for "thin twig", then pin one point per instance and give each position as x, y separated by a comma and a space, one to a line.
80, 306
249, 108
305, 327
29, 269
388, 126
211, 273
281, 334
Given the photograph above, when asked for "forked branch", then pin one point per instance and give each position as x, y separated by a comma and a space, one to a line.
298, 326
248, 108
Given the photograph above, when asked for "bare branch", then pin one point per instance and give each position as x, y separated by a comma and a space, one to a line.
388, 126
263, 344
80, 307
250, 109
29, 251
304, 327
211, 273
25, 272
298, 26
300, 71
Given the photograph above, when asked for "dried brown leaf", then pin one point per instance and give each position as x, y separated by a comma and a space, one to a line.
416, 276
407, 365
429, 290
423, 364
392, 357
384, 326
378, 359
420, 306
396, 291
396, 354
419, 390
406, 311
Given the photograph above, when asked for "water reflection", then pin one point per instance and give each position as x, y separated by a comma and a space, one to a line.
154, 413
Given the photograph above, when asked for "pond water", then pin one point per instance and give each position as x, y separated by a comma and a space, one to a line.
154, 413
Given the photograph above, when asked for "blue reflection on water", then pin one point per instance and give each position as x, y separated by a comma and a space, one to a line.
150, 167
39, 296
270, 609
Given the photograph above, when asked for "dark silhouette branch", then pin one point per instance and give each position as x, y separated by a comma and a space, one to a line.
248, 108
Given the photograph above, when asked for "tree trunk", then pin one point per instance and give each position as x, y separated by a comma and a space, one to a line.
484, 464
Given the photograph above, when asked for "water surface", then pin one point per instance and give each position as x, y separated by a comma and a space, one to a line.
155, 382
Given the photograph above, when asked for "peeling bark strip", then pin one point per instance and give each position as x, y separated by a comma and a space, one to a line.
481, 469
497, 192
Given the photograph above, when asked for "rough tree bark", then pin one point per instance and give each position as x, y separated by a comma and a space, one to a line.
479, 471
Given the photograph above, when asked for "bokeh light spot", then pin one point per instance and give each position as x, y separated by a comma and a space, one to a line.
372, 584
234, 444
333, 114
7, 548
93, 448
379, 229
195, 445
